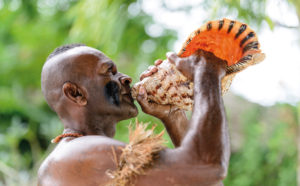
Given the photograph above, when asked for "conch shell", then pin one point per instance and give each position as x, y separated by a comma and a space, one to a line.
229, 40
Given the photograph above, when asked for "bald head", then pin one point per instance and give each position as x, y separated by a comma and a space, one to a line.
64, 48
63, 65
82, 79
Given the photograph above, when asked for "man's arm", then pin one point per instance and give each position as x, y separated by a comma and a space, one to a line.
206, 143
207, 140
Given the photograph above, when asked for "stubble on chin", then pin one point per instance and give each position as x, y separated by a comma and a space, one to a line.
129, 111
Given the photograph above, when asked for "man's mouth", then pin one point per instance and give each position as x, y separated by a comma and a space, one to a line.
127, 97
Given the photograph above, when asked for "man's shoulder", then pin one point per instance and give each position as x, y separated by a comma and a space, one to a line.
85, 147
91, 142
87, 155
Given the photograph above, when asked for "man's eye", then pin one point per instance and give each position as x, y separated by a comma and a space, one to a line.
112, 69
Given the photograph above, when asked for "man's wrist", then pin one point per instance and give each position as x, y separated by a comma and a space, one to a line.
172, 113
209, 69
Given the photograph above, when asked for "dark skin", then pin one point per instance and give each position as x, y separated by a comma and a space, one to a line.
89, 106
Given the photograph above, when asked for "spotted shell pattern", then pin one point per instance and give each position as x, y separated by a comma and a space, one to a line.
229, 40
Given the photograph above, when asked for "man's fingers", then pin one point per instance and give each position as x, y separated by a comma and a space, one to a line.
154, 69
186, 67
145, 74
151, 70
142, 95
142, 91
158, 62
183, 65
142, 99
154, 109
172, 57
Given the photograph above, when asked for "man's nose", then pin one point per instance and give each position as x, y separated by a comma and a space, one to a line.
125, 80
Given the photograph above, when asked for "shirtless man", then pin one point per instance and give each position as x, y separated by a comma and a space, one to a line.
90, 96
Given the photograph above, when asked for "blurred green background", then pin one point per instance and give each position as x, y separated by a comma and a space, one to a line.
264, 139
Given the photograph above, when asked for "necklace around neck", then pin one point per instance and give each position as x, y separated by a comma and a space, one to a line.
60, 137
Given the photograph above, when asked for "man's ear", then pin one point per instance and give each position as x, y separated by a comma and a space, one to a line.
75, 93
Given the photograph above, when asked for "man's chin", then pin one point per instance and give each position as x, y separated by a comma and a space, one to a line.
133, 111
129, 111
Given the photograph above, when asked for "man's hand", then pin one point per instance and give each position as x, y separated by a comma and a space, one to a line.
160, 111
188, 65
174, 119
184, 65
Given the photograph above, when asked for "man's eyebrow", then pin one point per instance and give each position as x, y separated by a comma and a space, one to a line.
105, 65
107, 61
110, 63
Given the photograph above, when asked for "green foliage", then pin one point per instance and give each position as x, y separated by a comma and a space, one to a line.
30, 30
268, 154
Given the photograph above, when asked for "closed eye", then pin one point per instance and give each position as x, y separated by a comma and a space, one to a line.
112, 69
108, 68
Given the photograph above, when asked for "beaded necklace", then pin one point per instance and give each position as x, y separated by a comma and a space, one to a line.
60, 137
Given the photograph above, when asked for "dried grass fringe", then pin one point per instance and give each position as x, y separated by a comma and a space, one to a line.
143, 148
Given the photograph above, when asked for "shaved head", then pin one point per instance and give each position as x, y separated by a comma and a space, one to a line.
64, 48
81, 82
55, 74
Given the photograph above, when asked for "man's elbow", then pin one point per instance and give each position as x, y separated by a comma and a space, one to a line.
222, 172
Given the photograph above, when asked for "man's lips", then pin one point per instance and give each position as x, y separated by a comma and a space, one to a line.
127, 98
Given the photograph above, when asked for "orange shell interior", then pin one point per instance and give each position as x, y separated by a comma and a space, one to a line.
223, 44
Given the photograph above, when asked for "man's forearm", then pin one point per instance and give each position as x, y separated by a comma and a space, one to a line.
207, 139
176, 124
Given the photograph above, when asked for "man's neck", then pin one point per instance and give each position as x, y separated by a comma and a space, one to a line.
90, 126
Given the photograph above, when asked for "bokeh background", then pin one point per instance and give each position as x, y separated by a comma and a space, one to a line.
262, 106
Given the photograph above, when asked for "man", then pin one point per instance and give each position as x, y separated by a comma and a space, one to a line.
90, 96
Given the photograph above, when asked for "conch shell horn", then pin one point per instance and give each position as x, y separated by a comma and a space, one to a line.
229, 40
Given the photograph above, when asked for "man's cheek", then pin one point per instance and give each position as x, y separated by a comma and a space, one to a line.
111, 91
